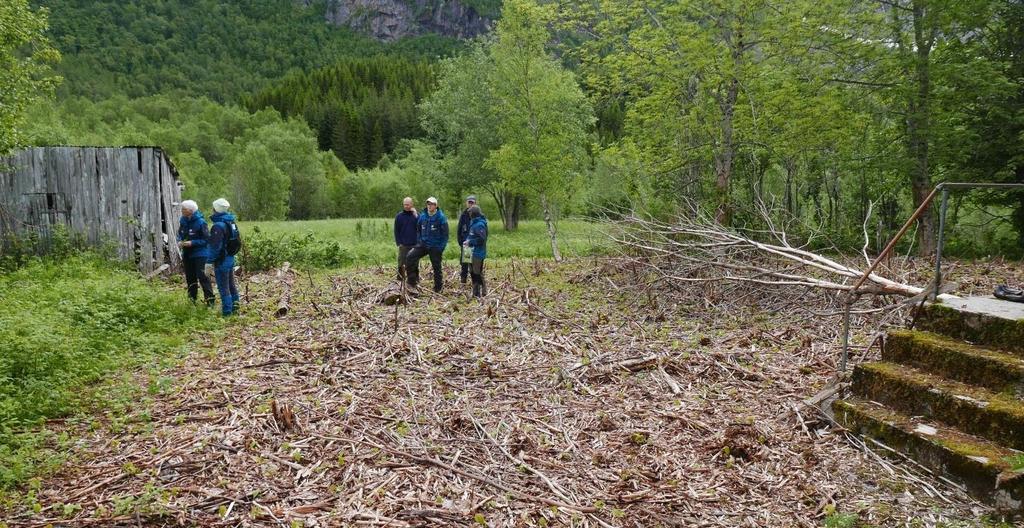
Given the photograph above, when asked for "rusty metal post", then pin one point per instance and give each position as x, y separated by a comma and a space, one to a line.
940, 239
846, 332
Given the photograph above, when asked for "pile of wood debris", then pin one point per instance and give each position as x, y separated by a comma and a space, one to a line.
573, 396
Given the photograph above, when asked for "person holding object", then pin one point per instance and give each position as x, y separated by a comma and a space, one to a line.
225, 241
432, 238
476, 241
192, 239
460, 233
405, 234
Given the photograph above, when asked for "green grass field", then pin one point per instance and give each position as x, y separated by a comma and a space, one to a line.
370, 240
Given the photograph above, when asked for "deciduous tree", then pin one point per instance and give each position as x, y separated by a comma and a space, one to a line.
261, 189
543, 115
25, 56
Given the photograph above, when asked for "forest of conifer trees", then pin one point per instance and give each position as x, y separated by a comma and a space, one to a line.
359, 108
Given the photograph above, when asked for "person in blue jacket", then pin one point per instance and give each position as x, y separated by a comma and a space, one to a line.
432, 238
461, 231
476, 239
405, 233
192, 239
224, 227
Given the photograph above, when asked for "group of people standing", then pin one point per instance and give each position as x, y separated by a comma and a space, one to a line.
207, 249
426, 234
210, 248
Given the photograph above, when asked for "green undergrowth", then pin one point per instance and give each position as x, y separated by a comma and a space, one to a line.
65, 326
370, 241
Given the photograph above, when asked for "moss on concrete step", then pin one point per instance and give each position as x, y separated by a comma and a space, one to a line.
997, 332
992, 369
980, 465
998, 417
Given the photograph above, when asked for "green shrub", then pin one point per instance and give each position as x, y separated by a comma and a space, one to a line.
263, 251
16, 252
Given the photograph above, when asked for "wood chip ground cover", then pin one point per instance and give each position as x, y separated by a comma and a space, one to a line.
573, 396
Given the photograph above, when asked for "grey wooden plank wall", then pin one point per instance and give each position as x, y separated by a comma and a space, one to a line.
127, 196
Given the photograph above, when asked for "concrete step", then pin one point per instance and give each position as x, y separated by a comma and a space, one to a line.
985, 321
973, 410
984, 468
992, 369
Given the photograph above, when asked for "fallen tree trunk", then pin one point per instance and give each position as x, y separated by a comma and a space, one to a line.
636, 364
694, 250
161, 269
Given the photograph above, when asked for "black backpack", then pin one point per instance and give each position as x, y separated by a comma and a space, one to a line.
232, 238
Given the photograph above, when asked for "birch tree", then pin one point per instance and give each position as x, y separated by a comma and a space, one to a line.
543, 116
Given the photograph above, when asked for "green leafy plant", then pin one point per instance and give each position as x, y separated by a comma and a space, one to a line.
1016, 462
841, 520
68, 322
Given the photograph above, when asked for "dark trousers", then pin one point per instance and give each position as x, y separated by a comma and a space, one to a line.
464, 272
195, 277
403, 254
412, 264
476, 270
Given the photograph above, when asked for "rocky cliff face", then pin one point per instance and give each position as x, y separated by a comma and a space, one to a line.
392, 19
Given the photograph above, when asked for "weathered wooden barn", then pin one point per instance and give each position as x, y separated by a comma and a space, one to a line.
127, 196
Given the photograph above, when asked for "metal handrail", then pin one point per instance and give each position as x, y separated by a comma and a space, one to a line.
944, 189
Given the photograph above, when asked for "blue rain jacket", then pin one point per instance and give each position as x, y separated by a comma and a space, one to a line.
194, 229
218, 239
433, 230
477, 237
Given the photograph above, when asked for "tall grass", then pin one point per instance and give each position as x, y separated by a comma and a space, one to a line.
68, 322
370, 241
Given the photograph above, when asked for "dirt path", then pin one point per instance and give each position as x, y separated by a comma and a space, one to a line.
561, 401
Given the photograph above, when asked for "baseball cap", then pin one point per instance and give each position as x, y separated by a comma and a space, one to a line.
432, 200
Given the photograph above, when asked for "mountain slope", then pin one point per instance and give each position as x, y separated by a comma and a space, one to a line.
202, 47
389, 20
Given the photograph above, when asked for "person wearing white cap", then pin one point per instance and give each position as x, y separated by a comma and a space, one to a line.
192, 239
432, 238
225, 241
